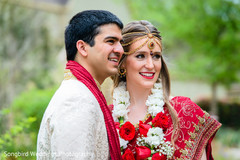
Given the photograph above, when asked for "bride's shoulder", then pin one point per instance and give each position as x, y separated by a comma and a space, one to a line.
179, 98
183, 103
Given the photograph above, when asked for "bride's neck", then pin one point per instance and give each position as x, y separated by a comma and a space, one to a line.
138, 95
138, 108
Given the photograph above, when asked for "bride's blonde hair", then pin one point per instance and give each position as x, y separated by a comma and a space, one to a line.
135, 30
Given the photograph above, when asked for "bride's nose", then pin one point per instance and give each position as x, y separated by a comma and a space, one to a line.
149, 62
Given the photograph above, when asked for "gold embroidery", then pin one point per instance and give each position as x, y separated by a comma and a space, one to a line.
195, 141
201, 119
206, 114
192, 135
184, 151
188, 143
196, 127
68, 75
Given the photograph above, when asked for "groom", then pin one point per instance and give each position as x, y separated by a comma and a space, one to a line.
77, 123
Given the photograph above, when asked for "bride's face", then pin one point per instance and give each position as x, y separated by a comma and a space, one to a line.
143, 67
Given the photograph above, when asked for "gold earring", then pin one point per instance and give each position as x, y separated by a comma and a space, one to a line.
122, 73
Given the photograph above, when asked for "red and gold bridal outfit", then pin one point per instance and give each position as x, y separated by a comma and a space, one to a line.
197, 129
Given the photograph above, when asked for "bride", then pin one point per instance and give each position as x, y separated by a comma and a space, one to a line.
150, 123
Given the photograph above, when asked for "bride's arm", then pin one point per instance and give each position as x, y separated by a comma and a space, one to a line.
204, 156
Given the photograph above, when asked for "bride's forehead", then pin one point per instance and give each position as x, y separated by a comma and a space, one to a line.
146, 48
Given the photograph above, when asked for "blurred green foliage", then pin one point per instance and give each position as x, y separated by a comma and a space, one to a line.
32, 103
226, 144
27, 50
7, 139
229, 137
26, 112
202, 36
28, 53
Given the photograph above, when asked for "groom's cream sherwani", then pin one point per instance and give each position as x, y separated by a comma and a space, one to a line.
73, 125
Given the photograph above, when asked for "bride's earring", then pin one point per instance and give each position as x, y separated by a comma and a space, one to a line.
122, 73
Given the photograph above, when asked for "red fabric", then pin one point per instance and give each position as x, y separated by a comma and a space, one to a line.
85, 77
188, 114
209, 149
156, 156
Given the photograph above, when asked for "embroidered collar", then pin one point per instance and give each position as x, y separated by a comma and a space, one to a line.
68, 75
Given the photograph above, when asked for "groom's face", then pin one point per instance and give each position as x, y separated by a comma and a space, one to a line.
104, 56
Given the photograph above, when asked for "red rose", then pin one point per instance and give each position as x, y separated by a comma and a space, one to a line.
142, 152
143, 128
128, 155
127, 131
117, 125
161, 120
156, 156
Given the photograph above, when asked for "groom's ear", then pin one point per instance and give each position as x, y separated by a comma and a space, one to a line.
82, 47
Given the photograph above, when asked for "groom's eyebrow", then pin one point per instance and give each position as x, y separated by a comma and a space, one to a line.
115, 38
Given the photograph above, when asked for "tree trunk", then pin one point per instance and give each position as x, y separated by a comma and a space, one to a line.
213, 106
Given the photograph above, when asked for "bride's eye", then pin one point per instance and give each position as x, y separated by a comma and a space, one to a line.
140, 56
156, 56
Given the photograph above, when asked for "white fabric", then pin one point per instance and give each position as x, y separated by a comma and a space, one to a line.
73, 126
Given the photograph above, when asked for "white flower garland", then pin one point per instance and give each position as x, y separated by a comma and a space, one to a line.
155, 102
121, 101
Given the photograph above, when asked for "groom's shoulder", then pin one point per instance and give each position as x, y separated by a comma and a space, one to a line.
72, 93
73, 88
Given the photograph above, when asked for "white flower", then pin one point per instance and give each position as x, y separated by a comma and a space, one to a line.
155, 137
155, 101
168, 149
140, 141
153, 141
120, 91
157, 94
123, 143
158, 85
154, 110
120, 102
155, 131
120, 110
122, 98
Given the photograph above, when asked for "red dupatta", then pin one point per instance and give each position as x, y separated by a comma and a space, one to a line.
85, 77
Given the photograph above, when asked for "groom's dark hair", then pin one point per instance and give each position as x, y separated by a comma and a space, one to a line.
85, 26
